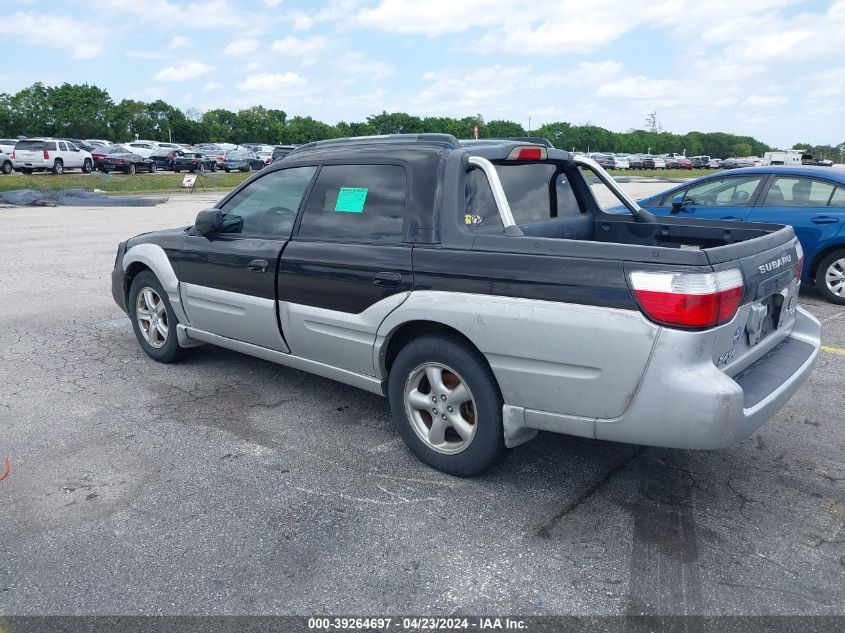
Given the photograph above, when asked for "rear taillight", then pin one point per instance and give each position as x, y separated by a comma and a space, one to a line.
46, 155
695, 300
799, 269
13, 154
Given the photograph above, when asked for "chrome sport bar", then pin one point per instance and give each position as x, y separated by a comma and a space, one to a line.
639, 213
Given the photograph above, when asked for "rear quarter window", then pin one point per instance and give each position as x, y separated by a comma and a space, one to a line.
356, 203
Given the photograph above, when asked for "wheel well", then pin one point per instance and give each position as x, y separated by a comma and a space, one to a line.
131, 272
407, 332
820, 256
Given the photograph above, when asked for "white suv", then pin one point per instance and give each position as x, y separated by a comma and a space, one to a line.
37, 154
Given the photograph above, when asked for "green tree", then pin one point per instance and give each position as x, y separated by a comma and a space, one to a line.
499, 128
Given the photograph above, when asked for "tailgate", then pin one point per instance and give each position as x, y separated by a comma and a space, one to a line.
767, 313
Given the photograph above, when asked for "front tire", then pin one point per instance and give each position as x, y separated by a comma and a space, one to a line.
154, 320
447, 405
830, 277
152, 168
130, 169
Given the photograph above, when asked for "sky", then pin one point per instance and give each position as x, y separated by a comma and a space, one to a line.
773, 69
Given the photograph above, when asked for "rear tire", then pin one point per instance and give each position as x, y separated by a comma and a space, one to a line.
87, 166
830, 277
153, 319
58, 167
152, 168
26, 171
459, 432
7, 167
130, 169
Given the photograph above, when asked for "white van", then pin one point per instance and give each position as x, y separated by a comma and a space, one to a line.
42, 154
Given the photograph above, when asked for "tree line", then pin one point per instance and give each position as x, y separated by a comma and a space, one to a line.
86, 111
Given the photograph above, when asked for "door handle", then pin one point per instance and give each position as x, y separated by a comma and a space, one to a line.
258, 266
824, 219
387, 279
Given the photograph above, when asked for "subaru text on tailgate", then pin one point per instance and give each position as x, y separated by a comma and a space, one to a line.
481, 288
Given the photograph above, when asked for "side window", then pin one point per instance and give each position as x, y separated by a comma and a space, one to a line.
62, 146
792, 191
72, 147
733, 191
50, 146
838, 198
358, 203
666, 200
268, 205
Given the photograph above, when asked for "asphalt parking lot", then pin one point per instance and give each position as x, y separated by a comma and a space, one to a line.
229, 485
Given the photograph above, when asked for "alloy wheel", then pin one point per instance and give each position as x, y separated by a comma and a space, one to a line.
152, 317
834, 277
441, 408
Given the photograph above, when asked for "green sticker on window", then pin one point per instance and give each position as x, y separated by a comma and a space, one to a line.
351, 199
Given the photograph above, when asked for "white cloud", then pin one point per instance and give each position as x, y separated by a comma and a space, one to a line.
211, 86
78, 39
272, 3
188, 70
147, 55
354, 63
241, 46
765, 101
309, 50
180, 41
262, 83
253, 66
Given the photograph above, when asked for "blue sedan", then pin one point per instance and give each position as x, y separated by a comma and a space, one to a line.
811, 199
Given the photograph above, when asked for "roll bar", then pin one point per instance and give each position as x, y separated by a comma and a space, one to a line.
640, 214
498, 194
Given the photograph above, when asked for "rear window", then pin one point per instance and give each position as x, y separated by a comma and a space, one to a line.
535, 192
356, 203
30, 145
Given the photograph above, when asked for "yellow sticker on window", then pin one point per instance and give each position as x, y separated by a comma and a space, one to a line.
351, 199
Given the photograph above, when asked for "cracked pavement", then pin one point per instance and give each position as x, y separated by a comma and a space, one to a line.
229, 485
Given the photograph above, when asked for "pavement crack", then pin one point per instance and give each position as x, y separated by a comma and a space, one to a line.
545, 530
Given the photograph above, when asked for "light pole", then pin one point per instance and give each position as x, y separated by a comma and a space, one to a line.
529, 125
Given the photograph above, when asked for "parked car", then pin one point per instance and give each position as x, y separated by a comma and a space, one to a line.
33, 154
142, 148
823, 162
654, 162
7, 145
280, 151
6, 164
714, 163
98, 142
240, 160
267, 157
194, 161
635, 162
165, 158
811, 199
622, 162
670, 163
127, 162
699, 162
100, 153
216, 152
635, 337
684, 163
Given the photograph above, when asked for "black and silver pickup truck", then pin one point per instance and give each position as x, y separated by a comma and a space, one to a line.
482, 289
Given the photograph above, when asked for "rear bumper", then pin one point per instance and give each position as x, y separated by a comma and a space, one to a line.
694, 405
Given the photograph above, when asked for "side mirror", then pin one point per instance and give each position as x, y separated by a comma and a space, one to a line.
209, 221
677, 203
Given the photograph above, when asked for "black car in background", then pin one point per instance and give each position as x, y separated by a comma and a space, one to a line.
194, 161
127, 162
99, 154
165, 158
239, 160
